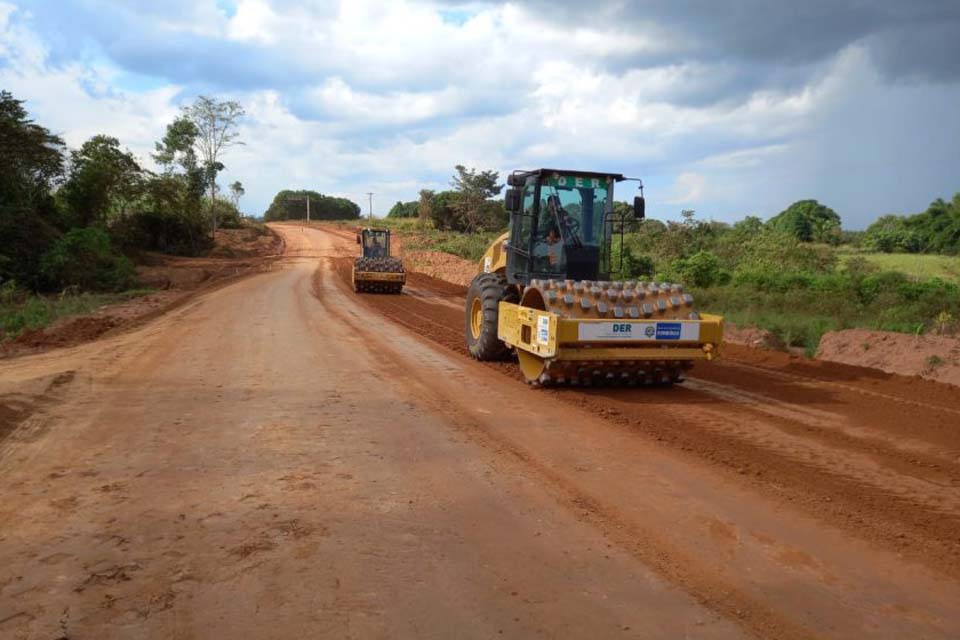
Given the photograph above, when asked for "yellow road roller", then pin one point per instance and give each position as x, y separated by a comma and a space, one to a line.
543, 292
375, 270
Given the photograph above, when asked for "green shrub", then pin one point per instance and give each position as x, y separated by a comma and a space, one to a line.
164, 231
471, 246
626, 263
86, 258
773, 251
228, 216
702, 269
404, 210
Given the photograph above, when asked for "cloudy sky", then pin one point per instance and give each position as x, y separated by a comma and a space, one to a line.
730, 108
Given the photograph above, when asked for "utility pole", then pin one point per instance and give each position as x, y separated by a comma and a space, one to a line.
308, 205
370, 210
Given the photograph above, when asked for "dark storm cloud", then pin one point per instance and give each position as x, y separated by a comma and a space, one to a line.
916, 38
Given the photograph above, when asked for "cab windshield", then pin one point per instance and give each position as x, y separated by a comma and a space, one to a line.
572, 215
375, 244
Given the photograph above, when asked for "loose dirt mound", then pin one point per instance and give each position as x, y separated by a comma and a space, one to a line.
70, 331
247, 242
931, 357
442, 266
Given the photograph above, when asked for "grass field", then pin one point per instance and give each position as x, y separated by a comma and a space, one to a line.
918, 265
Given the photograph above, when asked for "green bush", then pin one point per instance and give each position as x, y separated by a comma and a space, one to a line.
164, 231
471, 246
228, 216
628, 265
403, 210
773, 251
702, 269
86, 258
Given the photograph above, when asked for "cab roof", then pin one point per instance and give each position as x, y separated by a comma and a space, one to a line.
617, 177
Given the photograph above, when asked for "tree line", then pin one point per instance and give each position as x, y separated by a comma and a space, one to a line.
292, 205
72, 217
936, 230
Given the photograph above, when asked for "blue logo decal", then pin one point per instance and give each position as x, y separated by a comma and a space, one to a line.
668, 331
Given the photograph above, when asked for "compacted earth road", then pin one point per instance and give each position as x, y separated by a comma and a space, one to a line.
282, 458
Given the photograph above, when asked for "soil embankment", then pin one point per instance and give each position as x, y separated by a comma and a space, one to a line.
930, 357
172, 281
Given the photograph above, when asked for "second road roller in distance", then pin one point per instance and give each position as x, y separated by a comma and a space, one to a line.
544, 292
376, 271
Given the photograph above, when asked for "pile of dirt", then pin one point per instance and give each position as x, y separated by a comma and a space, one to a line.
442, 266
751, 337
66, 332
247, 242
931, 357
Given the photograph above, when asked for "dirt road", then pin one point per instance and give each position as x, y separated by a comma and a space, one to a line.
279, 459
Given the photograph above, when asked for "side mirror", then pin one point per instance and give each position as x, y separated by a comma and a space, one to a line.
639, 208
511, 201
514, 180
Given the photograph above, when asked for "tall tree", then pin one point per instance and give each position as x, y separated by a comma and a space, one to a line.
30, 156
808, 221
473, 190
424, 205
31, 163
216, 122
103, 180
177, 146
236, 192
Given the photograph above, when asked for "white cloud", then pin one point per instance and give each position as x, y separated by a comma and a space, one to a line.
688, 187
359, 96
254, 20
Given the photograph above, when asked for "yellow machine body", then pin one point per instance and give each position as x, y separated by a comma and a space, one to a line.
377, 276
495, 259
557, 349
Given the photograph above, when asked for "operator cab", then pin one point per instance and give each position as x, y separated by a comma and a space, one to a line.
374, 243
561, 224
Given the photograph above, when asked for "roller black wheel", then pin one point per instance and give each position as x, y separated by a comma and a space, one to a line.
482, 313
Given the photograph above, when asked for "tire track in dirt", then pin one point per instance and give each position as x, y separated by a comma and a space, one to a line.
647, 545
844, 453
